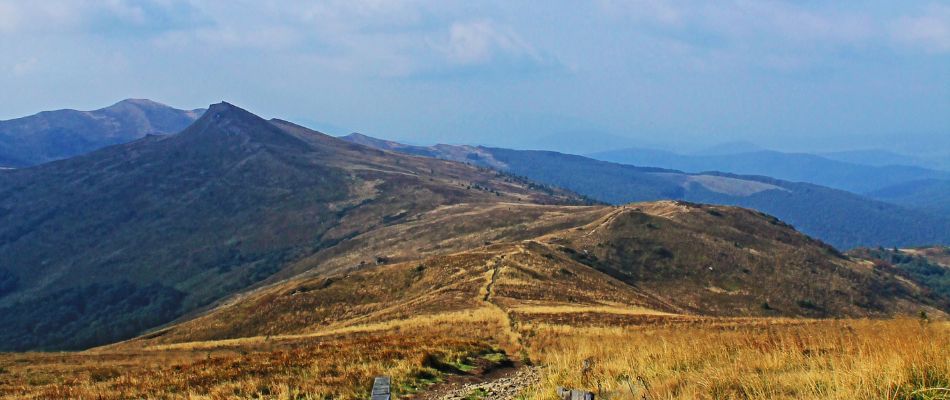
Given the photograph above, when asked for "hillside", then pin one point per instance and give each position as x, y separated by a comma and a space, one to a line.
598, 288
796, 167
840, 218
54, 135
928, 267
99, 247
640, 260
421, 269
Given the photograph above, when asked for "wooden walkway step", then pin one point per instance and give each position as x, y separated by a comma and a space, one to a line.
381, 388
574, 394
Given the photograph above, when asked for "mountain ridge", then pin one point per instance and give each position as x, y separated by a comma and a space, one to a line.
639, 259
795, 167
846, 219
57, 134
169, 223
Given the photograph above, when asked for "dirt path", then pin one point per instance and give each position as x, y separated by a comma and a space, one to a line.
507, 386
492, 279
608, 220
504, 383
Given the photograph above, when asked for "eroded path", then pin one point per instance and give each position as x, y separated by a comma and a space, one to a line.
510, 385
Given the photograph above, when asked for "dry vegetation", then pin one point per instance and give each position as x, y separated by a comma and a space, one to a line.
754, 359
663, 358
317, 367
556, 300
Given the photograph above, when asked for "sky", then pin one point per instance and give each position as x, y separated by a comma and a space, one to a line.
806, 75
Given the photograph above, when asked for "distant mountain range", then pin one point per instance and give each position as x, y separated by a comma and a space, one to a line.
921, 196
838, 217
880, 158
54, 135
931, 195
796, 167
238, 226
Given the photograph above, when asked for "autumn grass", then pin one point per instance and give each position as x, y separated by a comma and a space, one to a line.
761, 359
575, 309
334, 366
445, 322
697, 358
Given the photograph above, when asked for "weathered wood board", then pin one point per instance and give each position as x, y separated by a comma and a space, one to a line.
381, 388
574, 394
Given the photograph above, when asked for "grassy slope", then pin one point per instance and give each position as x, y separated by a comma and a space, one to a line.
929, 267
668, 257
200, 215
533, 293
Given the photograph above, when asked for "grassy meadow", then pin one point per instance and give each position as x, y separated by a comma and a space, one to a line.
678, 358
754, 359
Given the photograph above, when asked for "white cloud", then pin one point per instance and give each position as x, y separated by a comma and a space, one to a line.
930, 32
219, 37
471, 42
25, 66
128, 12
661, 11
746, 20
84, 16
478, 42
38, 16
363, 37
796, 24
9, 16
783, 36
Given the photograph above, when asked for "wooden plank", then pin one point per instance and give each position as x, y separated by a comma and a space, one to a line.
574, 394
381, 388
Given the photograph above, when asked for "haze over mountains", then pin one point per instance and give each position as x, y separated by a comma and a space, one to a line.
796, 167
843, 219
200, 224
932, 195
838, 217
54, 135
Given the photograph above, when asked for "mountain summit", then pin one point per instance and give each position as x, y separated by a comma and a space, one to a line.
53, 135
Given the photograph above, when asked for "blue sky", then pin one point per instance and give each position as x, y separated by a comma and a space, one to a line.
803, 75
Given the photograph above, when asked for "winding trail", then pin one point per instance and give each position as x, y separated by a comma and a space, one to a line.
491, 281
608, 220
514, 339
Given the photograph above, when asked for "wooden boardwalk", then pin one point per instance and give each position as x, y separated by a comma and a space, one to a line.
381, 388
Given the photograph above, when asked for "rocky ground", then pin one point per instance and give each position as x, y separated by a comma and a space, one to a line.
504, 387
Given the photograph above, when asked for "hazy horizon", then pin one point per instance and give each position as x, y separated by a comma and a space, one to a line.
815, 76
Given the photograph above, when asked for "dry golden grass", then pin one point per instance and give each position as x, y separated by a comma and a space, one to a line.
445, 322
333, 366
663, 357
326, 337
755, 359
574, 309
